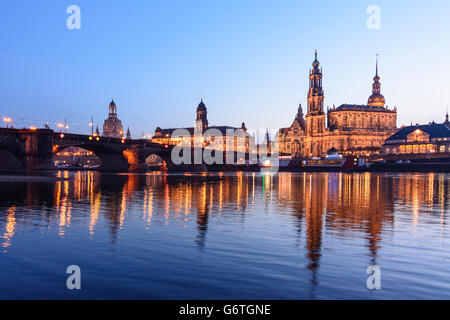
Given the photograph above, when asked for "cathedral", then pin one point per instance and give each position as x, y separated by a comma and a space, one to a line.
349, 129
113, 126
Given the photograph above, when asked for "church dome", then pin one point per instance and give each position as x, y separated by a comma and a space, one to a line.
377, 99
112, 104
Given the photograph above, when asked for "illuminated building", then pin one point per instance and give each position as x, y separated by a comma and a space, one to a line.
164, 136
350, 129
433, 138
113, 126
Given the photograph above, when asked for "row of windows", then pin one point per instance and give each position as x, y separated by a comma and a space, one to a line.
419, 149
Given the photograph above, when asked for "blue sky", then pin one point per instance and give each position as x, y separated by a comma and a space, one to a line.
249, 60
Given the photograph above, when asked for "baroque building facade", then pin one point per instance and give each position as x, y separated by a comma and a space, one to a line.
113, 126
222, 138
433, 138
349, 129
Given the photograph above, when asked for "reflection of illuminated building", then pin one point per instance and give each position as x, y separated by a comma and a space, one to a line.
317, 204
10, 227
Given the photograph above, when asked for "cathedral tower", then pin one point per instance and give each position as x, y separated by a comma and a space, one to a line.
376, 99
315, 118
201, 122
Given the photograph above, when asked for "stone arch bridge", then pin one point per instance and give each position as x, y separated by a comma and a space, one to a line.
27, 149
33, 149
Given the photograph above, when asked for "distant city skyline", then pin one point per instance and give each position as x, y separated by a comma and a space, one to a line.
248, 61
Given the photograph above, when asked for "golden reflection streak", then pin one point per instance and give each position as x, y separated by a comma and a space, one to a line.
221, 195
9, 228
95, 210
123, 206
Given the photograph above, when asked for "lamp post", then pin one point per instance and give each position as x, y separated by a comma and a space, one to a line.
91, 124
8, 122
60, 126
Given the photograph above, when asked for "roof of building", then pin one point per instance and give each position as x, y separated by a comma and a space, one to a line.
201, 106
222, 129
376, 98
435, 130
359, 107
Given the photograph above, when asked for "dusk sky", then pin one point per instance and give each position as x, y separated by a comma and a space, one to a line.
248, 60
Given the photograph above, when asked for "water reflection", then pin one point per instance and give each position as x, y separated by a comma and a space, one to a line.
337, 203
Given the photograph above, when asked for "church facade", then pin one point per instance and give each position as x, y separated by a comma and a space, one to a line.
349, 129
113, 126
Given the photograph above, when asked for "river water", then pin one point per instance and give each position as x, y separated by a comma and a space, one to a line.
226, 236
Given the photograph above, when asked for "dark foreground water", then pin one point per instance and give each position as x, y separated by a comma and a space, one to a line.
226, 236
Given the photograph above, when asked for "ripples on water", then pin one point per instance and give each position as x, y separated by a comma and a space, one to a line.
226, 236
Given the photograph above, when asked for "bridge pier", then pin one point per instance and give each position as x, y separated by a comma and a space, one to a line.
38, 149
26, 150
113, 162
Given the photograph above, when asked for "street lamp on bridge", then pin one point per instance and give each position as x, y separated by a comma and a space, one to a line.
8, 122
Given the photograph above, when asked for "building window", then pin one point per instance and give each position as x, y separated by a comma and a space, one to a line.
442, 149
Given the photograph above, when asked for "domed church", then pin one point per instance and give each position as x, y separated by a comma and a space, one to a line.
113, 126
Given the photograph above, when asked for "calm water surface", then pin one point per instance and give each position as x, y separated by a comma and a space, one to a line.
226, 236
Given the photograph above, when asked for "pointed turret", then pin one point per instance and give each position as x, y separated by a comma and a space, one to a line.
447, 122
128, 134
299, 118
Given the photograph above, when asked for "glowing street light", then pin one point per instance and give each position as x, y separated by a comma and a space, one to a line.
60, 126
8, 122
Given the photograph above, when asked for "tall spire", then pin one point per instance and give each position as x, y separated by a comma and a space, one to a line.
315, 94
376, 74
376, 99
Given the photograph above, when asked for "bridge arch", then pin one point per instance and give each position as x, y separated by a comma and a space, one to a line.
73, 156
111, 158
155, 163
